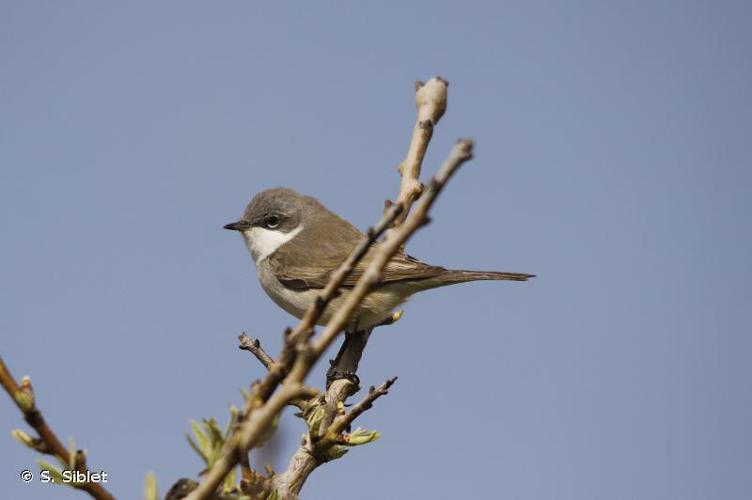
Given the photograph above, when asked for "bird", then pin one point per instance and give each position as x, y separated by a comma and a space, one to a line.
296, 244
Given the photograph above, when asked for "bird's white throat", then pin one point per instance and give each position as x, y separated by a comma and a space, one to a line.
263, 242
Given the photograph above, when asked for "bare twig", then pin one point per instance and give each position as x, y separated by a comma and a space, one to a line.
342, 422
342, 380
430, 103
254, 347
48, 442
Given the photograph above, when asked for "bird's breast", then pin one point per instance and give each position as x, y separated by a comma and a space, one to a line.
295, 302
376, 306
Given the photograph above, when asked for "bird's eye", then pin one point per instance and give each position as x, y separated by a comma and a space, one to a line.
271, 221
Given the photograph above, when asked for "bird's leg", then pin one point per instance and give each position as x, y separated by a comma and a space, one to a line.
345, 365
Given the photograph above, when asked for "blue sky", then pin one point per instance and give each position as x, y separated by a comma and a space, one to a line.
612, 160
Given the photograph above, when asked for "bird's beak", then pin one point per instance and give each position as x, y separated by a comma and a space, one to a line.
240, 225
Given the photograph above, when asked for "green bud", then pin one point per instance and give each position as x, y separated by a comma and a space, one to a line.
214, 432
202, 440
23, 438
25, 400
228, 484
55, 474
72, 452
336, 452
245, 393
314, 420
231, 422
150, 487
362, 436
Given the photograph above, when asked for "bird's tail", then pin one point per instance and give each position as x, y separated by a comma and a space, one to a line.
461, 276
452, 277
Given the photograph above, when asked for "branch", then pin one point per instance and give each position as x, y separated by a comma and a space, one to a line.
47, 442
342, 422
254, 347
342, 380
309, 456
430, 103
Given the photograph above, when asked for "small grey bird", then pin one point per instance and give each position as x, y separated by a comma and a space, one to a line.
297, 243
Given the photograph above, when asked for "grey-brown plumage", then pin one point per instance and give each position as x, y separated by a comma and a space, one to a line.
297, 244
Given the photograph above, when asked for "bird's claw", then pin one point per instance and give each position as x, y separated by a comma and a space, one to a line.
335, 373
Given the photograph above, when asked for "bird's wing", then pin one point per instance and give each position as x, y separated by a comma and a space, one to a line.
401, 267
310, 266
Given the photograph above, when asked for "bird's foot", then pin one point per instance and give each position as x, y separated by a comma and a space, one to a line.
335, 373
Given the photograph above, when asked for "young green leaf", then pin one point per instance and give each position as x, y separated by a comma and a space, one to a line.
23, 438
361, 436
71, 453
151, 492
336, 452
214, 432
201, 439
196, 448
54, 473
228, 485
